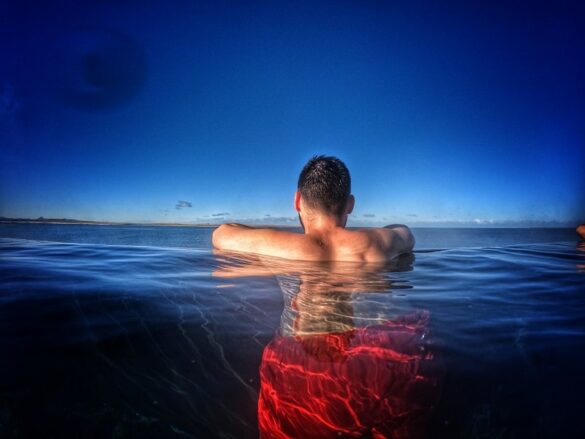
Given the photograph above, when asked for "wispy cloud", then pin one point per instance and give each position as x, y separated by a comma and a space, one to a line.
413, 215
221, 214
369, 215
183, 204
483, 221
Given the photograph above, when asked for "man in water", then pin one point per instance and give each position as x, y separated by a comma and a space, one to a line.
323, 201
581, 230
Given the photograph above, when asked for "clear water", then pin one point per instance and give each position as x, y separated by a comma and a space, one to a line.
145, 332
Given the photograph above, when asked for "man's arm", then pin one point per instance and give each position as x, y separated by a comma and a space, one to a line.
271, 242
397, 239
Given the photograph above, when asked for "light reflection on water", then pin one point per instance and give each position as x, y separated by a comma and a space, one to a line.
106, 340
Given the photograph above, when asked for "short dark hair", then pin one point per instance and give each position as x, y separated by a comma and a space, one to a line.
325, 184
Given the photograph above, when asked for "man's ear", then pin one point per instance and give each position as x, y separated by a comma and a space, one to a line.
297, 201
350, 204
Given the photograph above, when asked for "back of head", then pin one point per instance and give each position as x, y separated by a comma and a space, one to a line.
325, 184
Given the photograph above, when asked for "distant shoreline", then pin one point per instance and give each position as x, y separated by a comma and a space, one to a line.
68, 221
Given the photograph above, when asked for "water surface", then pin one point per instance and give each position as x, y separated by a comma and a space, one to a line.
107, 339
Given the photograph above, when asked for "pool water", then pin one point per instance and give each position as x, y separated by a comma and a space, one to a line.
118, 338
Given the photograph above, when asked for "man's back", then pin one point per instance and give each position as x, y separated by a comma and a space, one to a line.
333, 244
370, 245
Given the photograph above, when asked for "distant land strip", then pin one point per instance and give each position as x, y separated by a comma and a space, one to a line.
64, 221
42, 220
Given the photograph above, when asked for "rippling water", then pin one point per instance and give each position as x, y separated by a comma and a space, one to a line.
110, 340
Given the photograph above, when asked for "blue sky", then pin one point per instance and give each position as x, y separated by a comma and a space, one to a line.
445, 112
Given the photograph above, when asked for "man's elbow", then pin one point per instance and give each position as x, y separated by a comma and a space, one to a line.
405, 235
410, 240
218, 238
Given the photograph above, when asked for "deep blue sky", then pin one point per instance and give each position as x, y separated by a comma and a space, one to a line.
445, 112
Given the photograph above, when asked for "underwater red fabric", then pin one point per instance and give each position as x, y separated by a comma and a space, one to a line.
368, 382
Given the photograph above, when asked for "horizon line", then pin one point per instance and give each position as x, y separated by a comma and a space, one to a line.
292, 222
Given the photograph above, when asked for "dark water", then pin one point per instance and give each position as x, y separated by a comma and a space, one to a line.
145, 340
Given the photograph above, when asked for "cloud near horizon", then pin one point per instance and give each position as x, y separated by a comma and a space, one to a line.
221, 214
183, 204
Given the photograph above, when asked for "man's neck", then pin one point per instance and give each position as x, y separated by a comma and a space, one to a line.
320, 224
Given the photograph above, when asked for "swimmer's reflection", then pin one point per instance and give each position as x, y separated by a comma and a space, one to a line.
328, 372
581, 248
